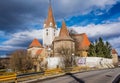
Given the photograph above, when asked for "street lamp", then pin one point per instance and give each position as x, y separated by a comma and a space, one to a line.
48, 50
73, 59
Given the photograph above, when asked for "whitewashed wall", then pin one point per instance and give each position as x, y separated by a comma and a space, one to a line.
95, 62
53, 62
99, 62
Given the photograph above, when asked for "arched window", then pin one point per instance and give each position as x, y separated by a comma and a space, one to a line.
47, 33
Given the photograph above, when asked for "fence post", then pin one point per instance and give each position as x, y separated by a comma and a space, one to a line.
15, 80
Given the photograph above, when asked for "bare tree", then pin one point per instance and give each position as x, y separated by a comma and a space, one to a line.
4, 63
21, 61
67, 57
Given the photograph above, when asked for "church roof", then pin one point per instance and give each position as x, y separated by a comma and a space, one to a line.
39, 52
50, 19
35, 43
82, 40
114, 51
64, 33
85, 42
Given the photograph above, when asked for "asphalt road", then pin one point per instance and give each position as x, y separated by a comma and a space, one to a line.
100, 76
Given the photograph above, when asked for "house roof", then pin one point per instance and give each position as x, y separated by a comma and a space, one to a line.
50, 18
39, 52
82, 40
114, 51
35, 43
85, 42
64, 33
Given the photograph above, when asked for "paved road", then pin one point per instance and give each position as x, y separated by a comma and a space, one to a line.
101, 76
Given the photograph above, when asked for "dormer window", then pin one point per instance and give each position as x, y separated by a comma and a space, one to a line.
47, 32
56, 26
51, 24
44, 25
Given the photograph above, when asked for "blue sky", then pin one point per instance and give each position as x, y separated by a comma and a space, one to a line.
22, 21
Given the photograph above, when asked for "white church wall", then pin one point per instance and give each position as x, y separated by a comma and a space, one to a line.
95, 62
48, 38
53, 62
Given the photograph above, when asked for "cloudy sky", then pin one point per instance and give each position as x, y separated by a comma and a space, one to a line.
22, 20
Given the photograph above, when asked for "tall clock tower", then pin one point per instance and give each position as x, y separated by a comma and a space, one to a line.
49, 28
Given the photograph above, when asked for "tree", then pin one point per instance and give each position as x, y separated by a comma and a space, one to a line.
21, 61
108, 49
67, 57
91, 51
4, 63
100, 49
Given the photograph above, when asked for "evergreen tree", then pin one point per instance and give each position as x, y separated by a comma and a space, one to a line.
100, 49
91, 51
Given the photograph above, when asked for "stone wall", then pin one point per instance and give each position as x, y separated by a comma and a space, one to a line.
96, 62
93, 62
64, 44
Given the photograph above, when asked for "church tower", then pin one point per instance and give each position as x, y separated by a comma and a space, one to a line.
50, 28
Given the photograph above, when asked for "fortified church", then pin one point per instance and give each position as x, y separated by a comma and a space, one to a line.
52, 40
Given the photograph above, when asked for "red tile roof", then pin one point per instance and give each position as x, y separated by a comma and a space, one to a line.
50, 19
114, 51
39, 52
64, 34
85, 42
35, 43
82, 40
64, 31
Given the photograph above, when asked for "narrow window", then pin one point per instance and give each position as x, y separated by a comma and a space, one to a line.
47, 33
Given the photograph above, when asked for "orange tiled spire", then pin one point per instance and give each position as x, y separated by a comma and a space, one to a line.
64, 31
50, 19
35, 43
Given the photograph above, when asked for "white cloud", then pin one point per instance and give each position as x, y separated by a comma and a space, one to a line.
115, 42
70, 7
9, 48
105, 30
110, 32
21, 37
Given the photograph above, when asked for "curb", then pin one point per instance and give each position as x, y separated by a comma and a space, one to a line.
59, 75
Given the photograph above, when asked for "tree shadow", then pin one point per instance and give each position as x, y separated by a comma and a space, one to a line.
76, 79
117, 79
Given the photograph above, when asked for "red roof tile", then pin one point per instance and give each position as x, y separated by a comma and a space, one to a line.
85, 42
39, 52
50, 18
64, 34
82, 40
64, 31
35, 43
114, 51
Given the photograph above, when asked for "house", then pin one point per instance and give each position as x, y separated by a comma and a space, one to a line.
54, 40
114, 57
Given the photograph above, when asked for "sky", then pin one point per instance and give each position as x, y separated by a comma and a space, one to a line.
22, 20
